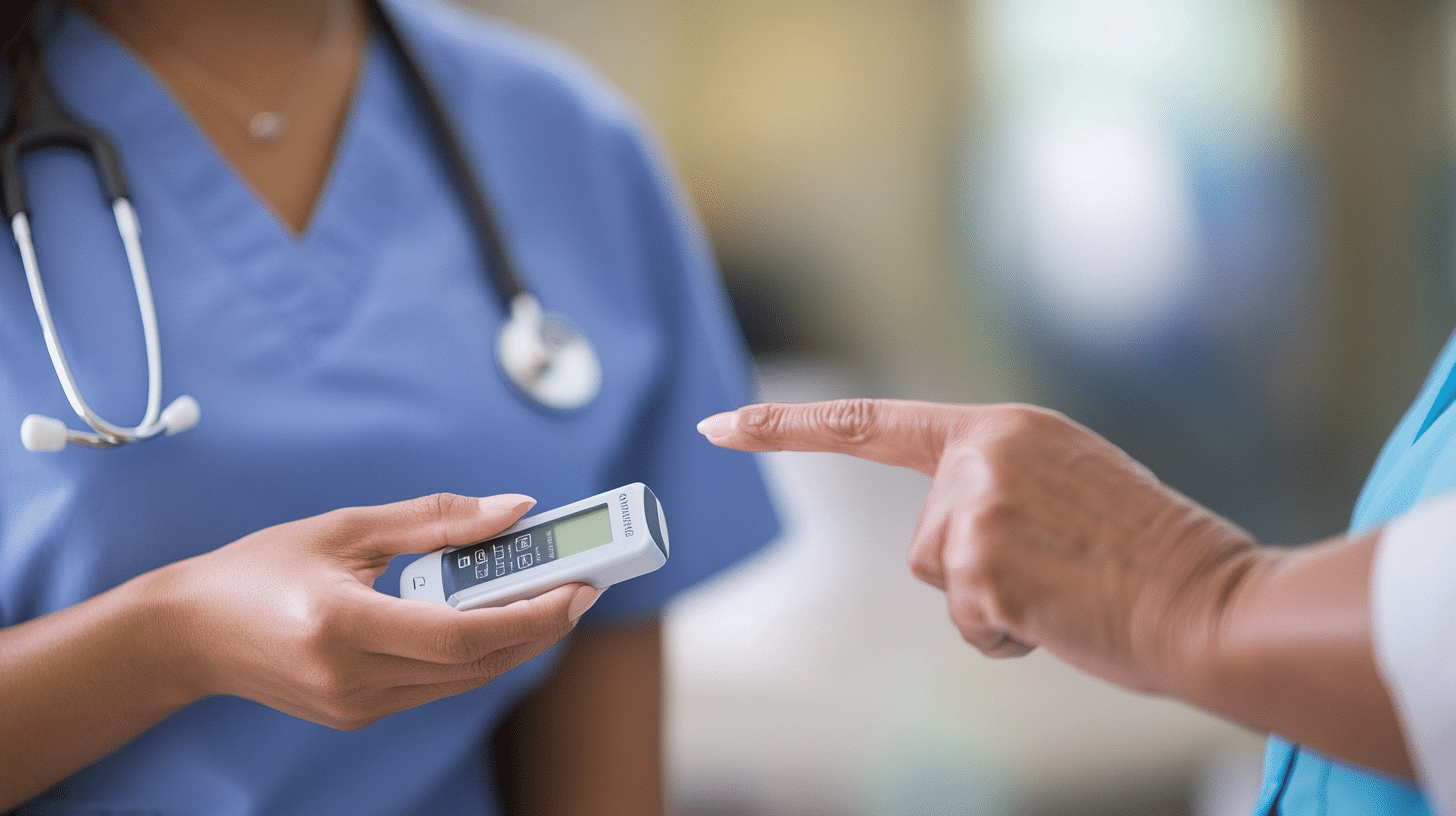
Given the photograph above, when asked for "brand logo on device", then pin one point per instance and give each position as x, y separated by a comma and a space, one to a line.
626, 515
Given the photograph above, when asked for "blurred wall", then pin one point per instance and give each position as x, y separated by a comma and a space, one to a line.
1217, 231
817, 138
1375, 113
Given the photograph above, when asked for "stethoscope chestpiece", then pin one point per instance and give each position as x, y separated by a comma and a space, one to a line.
543, 355
546, 357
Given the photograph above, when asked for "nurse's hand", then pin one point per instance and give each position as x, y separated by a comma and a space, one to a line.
1040, 532
288, 617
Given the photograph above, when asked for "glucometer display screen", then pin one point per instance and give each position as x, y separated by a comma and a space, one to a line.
531, 547
580, 532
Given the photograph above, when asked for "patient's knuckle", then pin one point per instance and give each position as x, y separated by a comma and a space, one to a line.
999, 508
924, 564
968, 567
769, 424
1018, 422
849, 421
762, 421
988, 581
999, 607
965, 612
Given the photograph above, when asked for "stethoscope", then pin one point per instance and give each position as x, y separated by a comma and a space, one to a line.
542, 354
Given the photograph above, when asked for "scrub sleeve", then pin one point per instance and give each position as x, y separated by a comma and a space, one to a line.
355, 365
1413, 600
1417, 463
715, 502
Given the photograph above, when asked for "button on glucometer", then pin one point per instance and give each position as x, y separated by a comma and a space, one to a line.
580, 542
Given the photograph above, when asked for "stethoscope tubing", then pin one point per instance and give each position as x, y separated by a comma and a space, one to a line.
108, 434
500, 266
542, 354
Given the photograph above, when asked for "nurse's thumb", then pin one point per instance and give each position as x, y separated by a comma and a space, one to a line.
434, 522
504, 509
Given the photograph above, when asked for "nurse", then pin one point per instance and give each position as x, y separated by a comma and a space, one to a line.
189, 624
1041, 533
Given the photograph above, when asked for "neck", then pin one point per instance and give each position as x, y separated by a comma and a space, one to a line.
268, 81
219, 33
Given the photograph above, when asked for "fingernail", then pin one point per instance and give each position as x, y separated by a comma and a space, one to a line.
506, 503
718, 426
582, 601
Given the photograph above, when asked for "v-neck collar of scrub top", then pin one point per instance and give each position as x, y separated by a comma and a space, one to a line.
1403, 472
1418, 461
309, 276
400, 398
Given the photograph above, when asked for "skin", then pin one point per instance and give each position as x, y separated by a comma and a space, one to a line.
296, 626
300, 57
1042, 534
562, 724
286, 617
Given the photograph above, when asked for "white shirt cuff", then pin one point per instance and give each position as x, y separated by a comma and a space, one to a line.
1413, 609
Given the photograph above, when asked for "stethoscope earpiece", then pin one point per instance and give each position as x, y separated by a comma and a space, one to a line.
45, 434
42, 433
180, 415
542, 353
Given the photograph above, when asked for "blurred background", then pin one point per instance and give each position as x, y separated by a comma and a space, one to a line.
1216, 231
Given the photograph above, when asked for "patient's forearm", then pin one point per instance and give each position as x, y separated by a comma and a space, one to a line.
1293, 655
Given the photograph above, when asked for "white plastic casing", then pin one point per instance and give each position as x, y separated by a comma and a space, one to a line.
180, 415
42, 433
639, 545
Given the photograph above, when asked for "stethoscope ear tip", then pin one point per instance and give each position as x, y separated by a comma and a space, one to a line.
42, 433
180, 415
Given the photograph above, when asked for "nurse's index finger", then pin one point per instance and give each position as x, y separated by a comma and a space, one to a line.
436, 633
893, 432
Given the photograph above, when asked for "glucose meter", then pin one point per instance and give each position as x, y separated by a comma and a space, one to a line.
600, 541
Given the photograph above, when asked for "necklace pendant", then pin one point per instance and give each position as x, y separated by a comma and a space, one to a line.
267, 126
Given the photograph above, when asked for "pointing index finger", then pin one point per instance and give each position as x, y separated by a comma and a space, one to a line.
892, 432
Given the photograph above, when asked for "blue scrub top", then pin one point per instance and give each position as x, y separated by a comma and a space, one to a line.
1417, 463
354, 366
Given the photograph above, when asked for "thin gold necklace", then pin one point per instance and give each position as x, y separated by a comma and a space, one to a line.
264, 125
